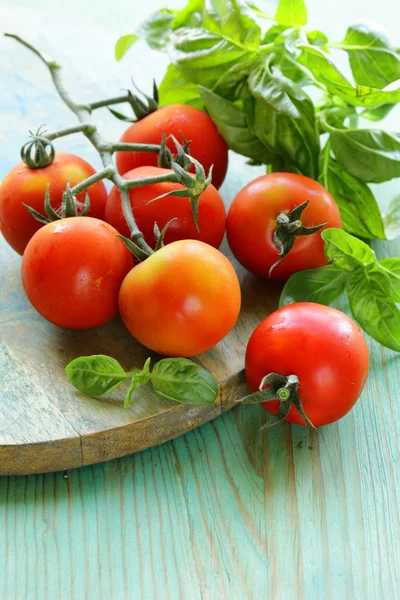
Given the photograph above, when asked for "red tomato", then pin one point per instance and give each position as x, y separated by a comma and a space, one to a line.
72, 270
323, 347
207, 145
211, 211
182, 300
252, 221
28, 186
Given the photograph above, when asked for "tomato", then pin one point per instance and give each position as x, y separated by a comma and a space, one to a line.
323, 347
182, 300
72, 270
211, 211
23, 185
206, 144
252, 218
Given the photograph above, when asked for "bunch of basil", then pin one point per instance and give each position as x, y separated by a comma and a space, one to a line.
278, 98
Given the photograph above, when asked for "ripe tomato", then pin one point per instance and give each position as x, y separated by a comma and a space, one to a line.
252, 218
72, 270
182, 300
323, 347
207, 145
23, 185
211, 211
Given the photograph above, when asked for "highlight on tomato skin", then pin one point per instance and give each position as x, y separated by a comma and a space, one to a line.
252, 220
72, 271
211, 211
182, 300
206, 144
23, 185
323, 347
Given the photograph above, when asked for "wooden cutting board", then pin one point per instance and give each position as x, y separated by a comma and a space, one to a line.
45, 425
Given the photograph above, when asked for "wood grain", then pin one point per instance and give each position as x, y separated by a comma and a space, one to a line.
220, 512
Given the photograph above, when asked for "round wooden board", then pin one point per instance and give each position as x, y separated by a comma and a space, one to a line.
45, 425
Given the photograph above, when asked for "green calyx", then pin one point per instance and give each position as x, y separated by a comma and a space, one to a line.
39, 152
70, 207
288, 228
283, 388
141, 108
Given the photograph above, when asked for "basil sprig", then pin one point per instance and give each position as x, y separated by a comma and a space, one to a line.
177, 379
254, 78
372, 286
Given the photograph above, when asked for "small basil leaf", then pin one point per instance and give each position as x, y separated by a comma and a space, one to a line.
323, 285
392, 268
155, 30
358, 208
317, 38
190, 16
174, 89
392, 219
95, 375
345, 251
182, 380
371, 155
369, 292
123, 44
291, 12
232, 124
378, 113
373, 59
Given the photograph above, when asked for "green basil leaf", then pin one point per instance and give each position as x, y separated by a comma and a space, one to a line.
291, 12
392, 268
232, 124
378, 113
155, 30
317, 38
371, 155
231, 20
95, 375
345, 251
392, 219
202, 56
295, 140
273, 33
174, 89
323, 285
358, 208
233, 84
326, 70
373, 59
369, 292
190, 16
182, 380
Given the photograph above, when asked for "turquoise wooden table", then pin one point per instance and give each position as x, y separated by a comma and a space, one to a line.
221, 512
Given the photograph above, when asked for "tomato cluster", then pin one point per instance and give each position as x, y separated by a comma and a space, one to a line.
185, 297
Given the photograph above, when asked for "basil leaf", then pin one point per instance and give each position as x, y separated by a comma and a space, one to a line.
358, 208
392, 269
228, 18
317, 38
190, 16
273, 33
373, 59
95, 375
232, 124
323, 285
203, 57
378, 113
182, 380
291, 12
155, 31
345, 251
325, 70
174, 89
232, 84
371, 155
392, 219
295, 140
369, 292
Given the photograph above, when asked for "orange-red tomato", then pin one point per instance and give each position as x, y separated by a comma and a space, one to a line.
323, 347
211, 211
72, 271
252, 217
23, 185
206, 144
182, 300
